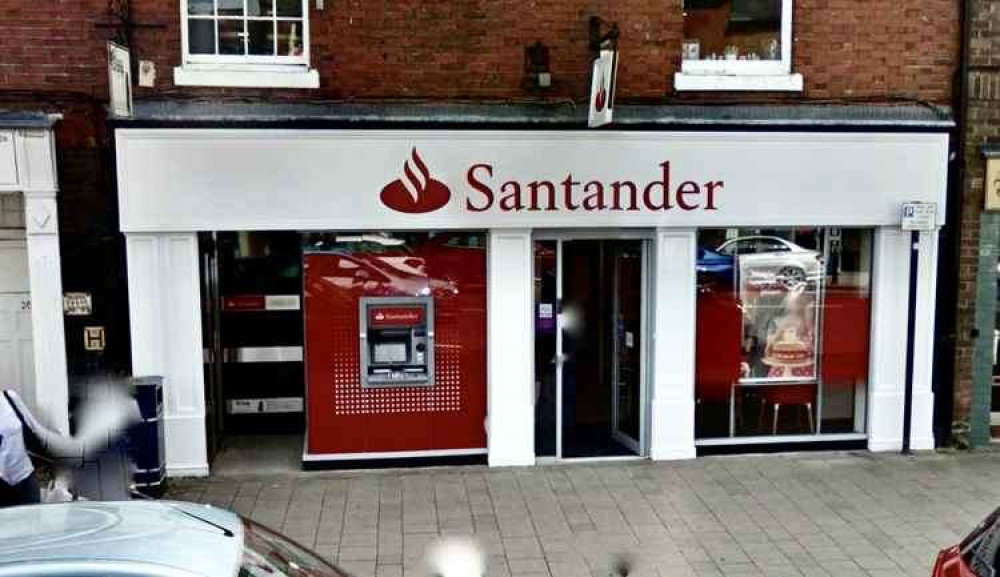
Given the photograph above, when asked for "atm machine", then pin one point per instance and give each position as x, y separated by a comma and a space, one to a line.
397, 341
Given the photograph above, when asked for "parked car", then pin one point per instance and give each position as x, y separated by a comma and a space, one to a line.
978, 555
714, 268
146, 538
771, 259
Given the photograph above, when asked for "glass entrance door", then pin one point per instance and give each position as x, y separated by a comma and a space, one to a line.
627, 369
589, 347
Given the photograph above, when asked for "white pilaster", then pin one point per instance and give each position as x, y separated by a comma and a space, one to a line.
511, 415
165, 311
674, 289
922, 429
36, 160
890, 293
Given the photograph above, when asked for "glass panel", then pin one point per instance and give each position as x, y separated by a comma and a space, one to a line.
230, 7
260, 7
201, 36
231, 37
289, 8
732, 30
628, 336
289, 38
545, 347
261, 37
782, 330
846, 321
995, 398
200, 7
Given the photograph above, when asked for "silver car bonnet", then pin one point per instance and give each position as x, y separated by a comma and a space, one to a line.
159, 533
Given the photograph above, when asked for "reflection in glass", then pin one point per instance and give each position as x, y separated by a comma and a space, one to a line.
545, 347
260, 7
200, 7
261, 40
231, 37
782, 331
289, 8
201, 36
732, 30
230, 7
289, 38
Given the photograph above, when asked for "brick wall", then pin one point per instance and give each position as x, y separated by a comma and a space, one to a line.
473, 49
983, 121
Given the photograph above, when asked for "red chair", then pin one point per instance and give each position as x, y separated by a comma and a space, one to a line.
778, 396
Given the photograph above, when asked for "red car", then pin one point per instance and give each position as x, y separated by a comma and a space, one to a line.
976, 556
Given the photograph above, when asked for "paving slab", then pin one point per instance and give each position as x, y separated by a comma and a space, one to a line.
807, 514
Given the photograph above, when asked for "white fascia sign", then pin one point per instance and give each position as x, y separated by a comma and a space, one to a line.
250, 179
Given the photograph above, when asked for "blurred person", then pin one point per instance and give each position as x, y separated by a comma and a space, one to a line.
102, 418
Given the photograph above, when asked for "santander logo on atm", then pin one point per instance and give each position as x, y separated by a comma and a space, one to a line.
417, 192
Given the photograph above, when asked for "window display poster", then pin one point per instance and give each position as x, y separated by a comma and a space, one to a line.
779, 319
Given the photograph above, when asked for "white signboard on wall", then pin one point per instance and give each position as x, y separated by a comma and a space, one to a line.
231, 179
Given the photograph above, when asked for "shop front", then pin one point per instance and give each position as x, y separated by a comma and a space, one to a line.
528, 295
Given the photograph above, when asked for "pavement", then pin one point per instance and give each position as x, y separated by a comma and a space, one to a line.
807, 514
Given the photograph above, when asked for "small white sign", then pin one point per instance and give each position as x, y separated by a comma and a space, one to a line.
919, 216
93, 338
77, 304
602, 88
545, 310
120, 79
992, 185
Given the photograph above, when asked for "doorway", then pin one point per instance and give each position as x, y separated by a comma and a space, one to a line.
590, 347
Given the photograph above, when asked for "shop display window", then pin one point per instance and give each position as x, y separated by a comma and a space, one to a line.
783, 324
395, 326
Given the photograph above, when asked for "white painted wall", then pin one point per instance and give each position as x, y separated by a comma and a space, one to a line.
165, 312
511, 353
674, 302
28, 166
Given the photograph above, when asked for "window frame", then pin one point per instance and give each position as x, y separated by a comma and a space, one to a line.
246, 61
770, 75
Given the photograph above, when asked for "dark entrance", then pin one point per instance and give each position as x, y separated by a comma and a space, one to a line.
588, 346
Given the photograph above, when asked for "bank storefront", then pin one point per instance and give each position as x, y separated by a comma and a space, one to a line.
525, 295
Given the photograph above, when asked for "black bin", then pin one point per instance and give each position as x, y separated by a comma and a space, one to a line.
146, 438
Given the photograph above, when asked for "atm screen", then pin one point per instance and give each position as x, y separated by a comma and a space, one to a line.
397, 348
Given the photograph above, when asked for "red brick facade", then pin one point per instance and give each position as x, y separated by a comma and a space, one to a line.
377, 49
52, 57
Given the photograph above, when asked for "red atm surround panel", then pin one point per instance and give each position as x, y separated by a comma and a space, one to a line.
344, 417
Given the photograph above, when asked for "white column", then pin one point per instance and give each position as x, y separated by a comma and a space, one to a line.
922, 429
887, 368
673, 346
510, 411
165, 313
35, 152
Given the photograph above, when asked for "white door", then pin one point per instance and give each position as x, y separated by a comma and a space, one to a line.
17, 368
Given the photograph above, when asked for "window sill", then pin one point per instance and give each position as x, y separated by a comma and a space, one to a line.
763, 83
249, 76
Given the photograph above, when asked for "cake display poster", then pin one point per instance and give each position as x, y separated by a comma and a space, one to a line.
779, 322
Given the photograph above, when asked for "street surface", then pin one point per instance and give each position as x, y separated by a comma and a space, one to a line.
819, 514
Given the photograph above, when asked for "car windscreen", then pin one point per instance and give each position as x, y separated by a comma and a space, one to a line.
981, 549
268, 554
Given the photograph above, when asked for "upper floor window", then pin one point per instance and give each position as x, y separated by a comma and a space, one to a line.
257, 42
252, 31
737, 44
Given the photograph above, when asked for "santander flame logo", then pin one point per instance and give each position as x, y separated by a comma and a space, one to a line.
602, 97
417, 192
